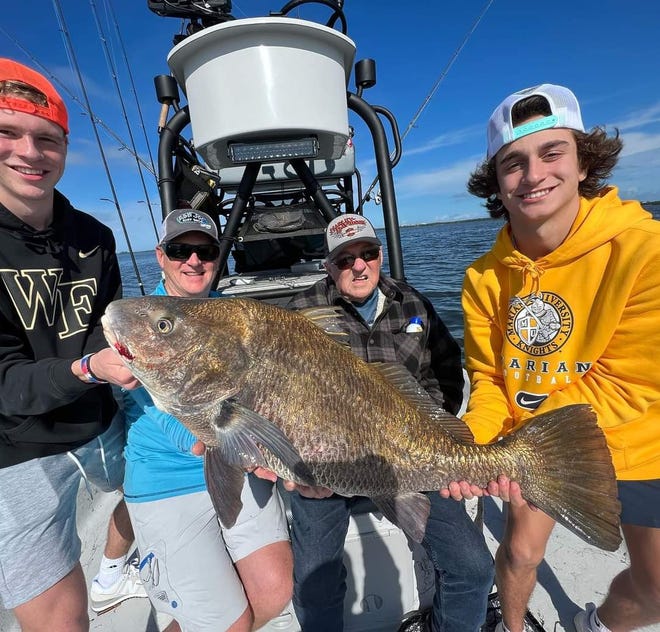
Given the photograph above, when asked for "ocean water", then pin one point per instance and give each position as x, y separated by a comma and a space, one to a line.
435, 257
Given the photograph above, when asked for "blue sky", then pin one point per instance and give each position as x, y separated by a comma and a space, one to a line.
606, 51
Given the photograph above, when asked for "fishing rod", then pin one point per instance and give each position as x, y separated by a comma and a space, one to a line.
55, 79
120, 39
436, 85
113, 73
68, 46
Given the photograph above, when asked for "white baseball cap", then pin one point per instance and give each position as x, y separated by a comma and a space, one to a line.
563, 105
346, 229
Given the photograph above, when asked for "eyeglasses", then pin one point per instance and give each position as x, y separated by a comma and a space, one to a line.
183, 252
347, 261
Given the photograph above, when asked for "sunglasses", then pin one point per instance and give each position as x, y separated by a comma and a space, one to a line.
183, 252
347, 261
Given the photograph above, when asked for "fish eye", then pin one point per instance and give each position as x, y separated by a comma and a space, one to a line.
164, 325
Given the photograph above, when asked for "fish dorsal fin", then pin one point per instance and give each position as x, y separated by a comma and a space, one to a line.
410, 388
329, 319
404, 381
458, 429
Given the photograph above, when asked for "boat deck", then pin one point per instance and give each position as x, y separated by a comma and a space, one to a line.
382, 579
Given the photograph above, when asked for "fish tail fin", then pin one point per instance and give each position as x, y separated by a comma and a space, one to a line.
573, 479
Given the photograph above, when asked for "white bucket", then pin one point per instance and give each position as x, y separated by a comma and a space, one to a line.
265, 79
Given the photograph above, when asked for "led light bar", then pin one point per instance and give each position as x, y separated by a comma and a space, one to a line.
274, 151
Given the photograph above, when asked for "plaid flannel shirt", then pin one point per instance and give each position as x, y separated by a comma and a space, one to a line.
433, 356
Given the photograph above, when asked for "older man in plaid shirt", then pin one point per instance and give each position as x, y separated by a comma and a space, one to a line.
387, 321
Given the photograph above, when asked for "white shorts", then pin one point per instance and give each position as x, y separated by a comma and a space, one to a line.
187, 558
39, 543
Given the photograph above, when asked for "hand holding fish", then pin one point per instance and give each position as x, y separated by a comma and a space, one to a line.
307, 490
509, 491
106, 366
462, 490
199, 448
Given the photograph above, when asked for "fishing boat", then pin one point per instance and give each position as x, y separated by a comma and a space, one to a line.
273, 161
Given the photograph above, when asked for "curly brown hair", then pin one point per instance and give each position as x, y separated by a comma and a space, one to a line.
597, 156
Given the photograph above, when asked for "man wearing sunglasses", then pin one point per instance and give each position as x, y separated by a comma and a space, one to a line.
187, 255
203, 576
387, 321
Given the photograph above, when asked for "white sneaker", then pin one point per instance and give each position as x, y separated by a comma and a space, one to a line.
128, 586
584, 620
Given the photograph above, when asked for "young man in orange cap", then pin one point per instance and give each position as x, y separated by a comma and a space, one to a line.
58, 272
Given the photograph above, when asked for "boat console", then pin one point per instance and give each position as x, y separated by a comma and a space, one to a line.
256, 131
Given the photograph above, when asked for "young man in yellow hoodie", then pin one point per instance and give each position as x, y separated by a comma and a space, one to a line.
564, 309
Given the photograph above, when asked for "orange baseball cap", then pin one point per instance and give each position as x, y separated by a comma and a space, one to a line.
54, 111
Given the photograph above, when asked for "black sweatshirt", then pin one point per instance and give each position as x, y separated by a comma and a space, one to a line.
54, 287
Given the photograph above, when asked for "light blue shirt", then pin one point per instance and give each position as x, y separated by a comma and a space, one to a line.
368, 309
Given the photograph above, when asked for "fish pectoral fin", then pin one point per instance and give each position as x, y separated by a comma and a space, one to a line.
408, 511
224, 483
237, 445
241, 431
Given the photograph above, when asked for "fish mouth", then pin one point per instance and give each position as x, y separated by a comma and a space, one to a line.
122, 350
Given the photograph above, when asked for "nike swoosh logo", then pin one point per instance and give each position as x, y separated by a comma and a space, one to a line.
89, 253
531, 401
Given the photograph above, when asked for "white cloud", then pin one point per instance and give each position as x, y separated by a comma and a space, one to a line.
455, 137
639, 118
446, 180
639, 142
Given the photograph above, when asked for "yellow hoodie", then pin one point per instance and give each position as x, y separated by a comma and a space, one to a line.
580, 325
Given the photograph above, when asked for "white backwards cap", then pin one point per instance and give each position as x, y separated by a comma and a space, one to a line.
563, 105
